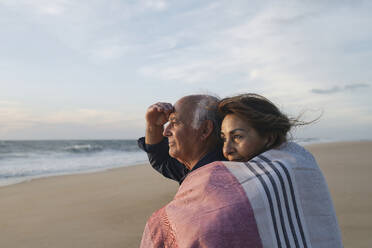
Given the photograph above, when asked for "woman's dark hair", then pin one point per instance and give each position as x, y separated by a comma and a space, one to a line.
261, 114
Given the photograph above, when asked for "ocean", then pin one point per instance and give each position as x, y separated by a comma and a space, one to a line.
25, 160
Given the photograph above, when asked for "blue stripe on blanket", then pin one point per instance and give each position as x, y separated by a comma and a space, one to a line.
294, 201
279, 205
259, 176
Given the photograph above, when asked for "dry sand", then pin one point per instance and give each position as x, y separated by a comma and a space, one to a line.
104, 209
348, 172
110, 209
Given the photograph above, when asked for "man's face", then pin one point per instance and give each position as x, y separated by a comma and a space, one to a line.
181, 135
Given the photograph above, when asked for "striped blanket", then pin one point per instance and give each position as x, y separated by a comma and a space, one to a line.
277, 199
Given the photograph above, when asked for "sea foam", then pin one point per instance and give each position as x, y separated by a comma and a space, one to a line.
25, 160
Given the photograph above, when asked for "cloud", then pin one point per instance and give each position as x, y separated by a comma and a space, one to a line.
158, 5
84, 116
326, 91
99, 30
47, 7
15, 117
290, 20
107, 50
355, 86
4, 103
275, 45
199, 70
336, 89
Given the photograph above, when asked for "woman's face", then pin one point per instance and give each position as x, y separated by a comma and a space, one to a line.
241, 142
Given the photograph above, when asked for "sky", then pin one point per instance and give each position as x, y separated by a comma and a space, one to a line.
79, 69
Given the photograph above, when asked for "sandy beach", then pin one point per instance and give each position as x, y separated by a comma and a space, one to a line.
348, 172
110, 209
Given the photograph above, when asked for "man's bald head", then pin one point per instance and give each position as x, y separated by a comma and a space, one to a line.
199, 108
194, 128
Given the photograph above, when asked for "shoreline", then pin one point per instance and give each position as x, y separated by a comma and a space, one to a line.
99, 170
110, 208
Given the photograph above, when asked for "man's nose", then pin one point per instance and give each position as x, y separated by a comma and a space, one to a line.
166, 131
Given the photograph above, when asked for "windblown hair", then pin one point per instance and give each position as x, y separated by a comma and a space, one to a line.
261, 114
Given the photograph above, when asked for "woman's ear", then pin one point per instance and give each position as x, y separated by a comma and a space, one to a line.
270, 139
207, 129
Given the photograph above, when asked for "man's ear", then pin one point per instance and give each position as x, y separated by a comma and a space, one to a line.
206, 129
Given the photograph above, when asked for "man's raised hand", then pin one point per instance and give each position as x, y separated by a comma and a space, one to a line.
156, 116
158, 113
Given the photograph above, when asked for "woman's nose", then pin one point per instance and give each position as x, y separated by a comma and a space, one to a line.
227, 147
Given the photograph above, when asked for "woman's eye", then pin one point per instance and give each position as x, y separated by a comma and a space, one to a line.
237, 137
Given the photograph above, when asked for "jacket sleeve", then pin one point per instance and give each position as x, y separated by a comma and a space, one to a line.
161, 161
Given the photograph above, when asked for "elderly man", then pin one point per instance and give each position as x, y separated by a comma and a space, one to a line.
189, 141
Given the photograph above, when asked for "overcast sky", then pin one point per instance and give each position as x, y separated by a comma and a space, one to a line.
79, 69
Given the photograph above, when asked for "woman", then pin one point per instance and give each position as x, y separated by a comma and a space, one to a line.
298, 203
251, 125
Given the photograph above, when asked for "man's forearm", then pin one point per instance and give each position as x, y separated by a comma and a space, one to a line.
154, 134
